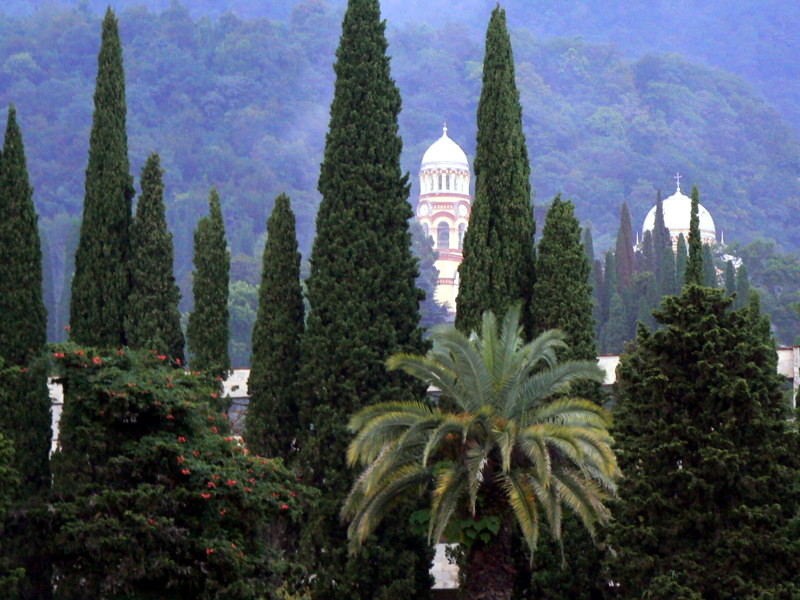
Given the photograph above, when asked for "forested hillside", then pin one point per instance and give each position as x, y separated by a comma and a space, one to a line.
243, 105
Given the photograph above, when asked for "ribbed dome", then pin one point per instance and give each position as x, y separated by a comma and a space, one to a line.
678, 213
444, 152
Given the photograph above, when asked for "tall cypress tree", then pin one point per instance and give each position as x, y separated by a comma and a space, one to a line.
364, 307
153, 321
101, 283
24, 402
668, 283
730, 278
709, 457
272, 415
588, 244
709, 269
207, 330
742, 287
624, 254
681, 257
694, 265
498, 265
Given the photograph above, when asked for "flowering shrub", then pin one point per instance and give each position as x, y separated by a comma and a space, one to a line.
155, 497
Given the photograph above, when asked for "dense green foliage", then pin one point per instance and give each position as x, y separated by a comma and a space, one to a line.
154, 496
24, 399
101, 283
499, 258
694, 265
625, 259
9, 576
505, 453
207, 330
153, 321
364, 307
272, 414
710, 461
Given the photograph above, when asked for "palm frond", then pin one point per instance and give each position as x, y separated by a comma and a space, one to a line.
445, 498
380, 431
476, 457
522, 499
450, 425
544, 384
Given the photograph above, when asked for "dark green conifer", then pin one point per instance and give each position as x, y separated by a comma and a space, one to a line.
153, 321
711, 462
709, 269
648, 254
588, 244
101, 283
668, 284
624, 255
598, 287
24, 398
609, 283
364, 307
498, 266
681, 256
694, 264
272, 415
730, 278
742, 287
207, 330
614, 334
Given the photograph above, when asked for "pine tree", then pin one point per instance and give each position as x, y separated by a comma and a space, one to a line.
681, 255
364, 307
711, 463
101, 283
709, 269
624, 254
730, 278
694, 265
207, 330
498, 265
272, 416
742, 287
25, 401
153, 321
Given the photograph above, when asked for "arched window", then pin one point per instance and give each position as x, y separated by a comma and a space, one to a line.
443, 236
440, 181
462, 229
447, 181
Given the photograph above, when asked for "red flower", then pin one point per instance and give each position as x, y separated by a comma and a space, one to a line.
121, 352
215, 430
215, 395
178, 362
215, 477
230, 482
212, 418
181, 439
161, 357
151, 521
209, 551
170, 416
222, 512
284, 507
181, 459
67, 328
205, 496
196, 453
97, 360
79, 352
252, 480
58, 355
185, 471
211, 484
293, 494
248, 489
233, 545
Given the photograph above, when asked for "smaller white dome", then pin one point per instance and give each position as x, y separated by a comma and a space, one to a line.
678, 214
444, 152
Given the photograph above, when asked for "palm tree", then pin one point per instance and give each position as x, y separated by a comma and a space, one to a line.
516, 446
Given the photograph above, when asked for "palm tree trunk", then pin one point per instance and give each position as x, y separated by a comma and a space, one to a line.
490, 571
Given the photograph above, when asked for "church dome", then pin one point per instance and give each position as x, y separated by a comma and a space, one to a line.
444, 152
678, 213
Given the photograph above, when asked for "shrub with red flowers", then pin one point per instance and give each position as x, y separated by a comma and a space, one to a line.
151, 501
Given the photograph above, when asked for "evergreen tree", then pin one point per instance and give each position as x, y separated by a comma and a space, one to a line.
668, 284
730, 278
624, 254
694, 265
101, 283
272, 416
24, 400
711, 463
207, 330
588, 244
681, 255
498, 265
609, 283
364, 307
648, 254
709, 269
614, 333
562, 288
598, 289
153, 321
742, 287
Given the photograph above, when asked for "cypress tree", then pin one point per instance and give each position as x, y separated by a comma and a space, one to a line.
498, 265
207, 330
614, 334
711, 463
562, 288
648, 254
694, 265
661, 235
101, 285
742, 288
709, 270
668, 283
24, 401
624, 254
588, 244
730, 278
153, 321
609, 283
272, 420
681, 255
598, 287
364, 307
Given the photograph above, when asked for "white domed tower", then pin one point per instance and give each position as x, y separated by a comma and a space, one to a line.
677, 214
443, 211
